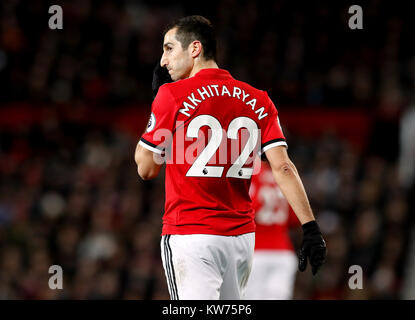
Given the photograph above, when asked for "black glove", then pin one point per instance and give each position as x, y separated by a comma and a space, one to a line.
160, 76
313, 247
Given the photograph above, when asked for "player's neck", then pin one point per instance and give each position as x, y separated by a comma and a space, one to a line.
210, 64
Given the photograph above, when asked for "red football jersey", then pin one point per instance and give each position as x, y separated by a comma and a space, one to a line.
210, 128
274, 215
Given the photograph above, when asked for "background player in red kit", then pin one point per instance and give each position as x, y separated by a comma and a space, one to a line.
275, 262
208, 225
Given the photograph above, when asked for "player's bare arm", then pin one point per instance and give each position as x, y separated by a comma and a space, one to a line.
287, 177
313, 248
147, 168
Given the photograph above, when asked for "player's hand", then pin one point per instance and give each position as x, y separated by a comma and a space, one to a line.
160, 76
313, 248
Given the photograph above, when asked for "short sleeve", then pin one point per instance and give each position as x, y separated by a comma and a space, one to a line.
271, 132
160, 125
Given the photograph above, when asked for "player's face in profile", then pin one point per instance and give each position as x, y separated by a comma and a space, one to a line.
176, 59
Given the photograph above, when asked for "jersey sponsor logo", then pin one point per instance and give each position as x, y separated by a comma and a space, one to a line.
151, 123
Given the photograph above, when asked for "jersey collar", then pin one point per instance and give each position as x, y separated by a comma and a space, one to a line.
213, 72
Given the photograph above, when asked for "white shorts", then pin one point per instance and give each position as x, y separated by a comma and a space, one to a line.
272, 276
207, 267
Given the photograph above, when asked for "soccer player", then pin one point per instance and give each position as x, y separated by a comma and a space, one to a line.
206, 125
275, 262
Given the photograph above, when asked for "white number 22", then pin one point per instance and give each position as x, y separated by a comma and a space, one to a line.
199, 167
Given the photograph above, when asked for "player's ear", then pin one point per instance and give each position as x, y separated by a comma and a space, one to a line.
195, 48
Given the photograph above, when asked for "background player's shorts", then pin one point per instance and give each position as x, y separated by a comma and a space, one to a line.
207, 267
272, 276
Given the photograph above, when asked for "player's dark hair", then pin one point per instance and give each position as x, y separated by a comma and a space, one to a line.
193, 28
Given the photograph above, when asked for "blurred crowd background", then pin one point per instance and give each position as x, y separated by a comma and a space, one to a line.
69, 192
